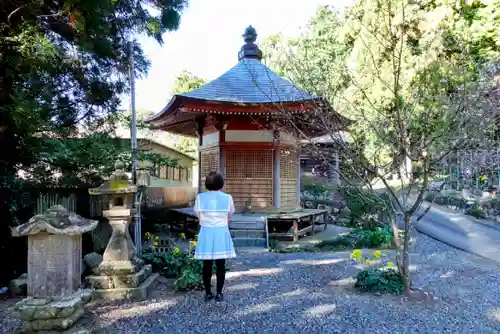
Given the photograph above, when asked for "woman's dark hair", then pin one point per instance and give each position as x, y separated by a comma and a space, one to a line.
214, 181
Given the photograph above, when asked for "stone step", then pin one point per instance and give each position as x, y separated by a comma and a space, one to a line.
248, 218
247, 225
248, 233
249, 242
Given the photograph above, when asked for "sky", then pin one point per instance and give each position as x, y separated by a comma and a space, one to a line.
209, 38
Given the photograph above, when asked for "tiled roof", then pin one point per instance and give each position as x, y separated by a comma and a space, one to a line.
327, 139
250, 81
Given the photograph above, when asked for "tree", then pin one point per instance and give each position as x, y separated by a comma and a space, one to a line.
63, 64
184, 83
414, 102
187, 82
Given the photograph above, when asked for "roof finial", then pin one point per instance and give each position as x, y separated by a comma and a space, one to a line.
250, 35
250, 49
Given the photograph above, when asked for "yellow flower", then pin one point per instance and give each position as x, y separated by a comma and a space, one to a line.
377, 254
390, 264
192, 243
177, 250
369, 262
356, 255
182, 236
155, 244
157, 238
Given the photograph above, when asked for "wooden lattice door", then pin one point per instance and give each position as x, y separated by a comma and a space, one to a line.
288, 178
249, 177
209, 163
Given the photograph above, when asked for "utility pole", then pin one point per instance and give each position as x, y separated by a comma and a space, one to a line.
133, 143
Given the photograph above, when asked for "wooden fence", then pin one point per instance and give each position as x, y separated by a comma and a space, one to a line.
82, 203
46, 200
171, 196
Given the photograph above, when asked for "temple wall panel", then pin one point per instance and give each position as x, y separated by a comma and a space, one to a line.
249, 136
211, 139
244, 124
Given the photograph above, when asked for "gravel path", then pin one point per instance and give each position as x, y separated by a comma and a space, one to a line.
301, 292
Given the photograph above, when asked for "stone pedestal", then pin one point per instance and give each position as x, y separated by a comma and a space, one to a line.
53, 313
121, 274
54, 300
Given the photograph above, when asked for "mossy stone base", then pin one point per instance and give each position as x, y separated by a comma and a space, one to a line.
103, 282
137, 293
52, 314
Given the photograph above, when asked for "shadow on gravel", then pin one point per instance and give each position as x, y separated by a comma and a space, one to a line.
300, 293
311, 293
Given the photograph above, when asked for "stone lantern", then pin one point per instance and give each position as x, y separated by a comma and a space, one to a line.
121, 274
55, 300
144, 173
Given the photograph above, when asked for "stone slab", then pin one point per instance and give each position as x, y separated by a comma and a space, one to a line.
88, 324
249, 242
52, 314
31, 309
140, 292
54, 264
120, 281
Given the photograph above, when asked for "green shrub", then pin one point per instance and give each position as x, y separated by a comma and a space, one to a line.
492, 206
471, 208
476, 211
379, 237
315, 190
385, 280
178, 264
367, 208
454, 200
339, 243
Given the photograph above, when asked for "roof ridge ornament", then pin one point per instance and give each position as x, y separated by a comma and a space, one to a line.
250, 50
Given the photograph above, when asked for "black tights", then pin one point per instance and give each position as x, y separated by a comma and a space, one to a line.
220, 273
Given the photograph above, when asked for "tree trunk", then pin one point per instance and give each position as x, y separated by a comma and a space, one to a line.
406, 170
406, 255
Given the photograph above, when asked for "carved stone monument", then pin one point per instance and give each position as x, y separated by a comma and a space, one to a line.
55, 301
121, 274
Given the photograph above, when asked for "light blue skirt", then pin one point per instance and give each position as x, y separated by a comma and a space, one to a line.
214, 243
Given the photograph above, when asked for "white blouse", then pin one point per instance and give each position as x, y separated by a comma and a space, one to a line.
216, 217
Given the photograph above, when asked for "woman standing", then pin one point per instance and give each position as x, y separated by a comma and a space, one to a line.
214, 209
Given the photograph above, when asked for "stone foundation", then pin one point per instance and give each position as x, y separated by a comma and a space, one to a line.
140, 292
133, 280
52, 313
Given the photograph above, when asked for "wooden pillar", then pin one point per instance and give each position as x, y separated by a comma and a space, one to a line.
201, 124
295, 228
299, 176
337, 168
313, 223
222, 140
276, 177
276, 169
334, 172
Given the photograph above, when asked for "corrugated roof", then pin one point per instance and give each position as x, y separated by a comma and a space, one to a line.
250, 81
327, 139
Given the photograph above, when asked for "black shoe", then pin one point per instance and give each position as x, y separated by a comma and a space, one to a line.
219, 297
209, 297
